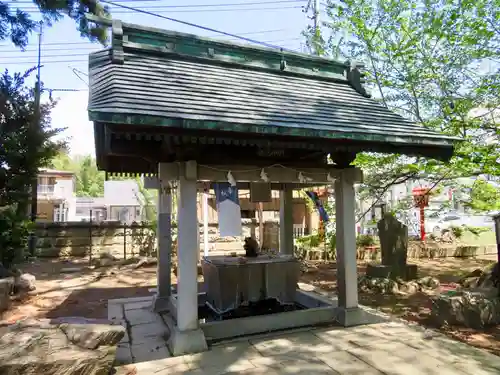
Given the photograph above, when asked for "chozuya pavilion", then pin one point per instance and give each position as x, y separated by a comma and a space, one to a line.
189, 110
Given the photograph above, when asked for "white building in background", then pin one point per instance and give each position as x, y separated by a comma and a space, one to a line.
121, 202
55, 196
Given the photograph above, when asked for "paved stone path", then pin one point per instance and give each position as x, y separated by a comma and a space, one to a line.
391, 348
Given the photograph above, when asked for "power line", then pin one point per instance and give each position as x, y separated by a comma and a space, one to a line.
155, 9
58, 55
76, 73
244, 3
193, 25
20, 61
91, 47
45, 63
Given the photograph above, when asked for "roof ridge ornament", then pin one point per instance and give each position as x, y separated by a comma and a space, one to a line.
355, 76
283, 61
117, 55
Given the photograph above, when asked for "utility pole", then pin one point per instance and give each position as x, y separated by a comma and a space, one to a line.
36, 125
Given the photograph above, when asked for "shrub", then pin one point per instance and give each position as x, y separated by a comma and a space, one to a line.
477, 230
365, 240
14, 234
309, 241
458, 232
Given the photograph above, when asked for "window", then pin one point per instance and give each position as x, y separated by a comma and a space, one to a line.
60, 213
82, 211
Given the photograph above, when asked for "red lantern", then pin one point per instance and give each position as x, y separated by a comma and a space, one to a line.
420, 197
421, 200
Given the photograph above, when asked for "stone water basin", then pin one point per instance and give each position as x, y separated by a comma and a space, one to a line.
231, 282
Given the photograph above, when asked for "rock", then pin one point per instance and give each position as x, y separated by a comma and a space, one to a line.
102, 262
146, 261
470, 282
411, 287
429, 282
4, 272
393, 287
90, 333
487, 277
6, 288
378, 285
43, 347
475, 309
124, 370
306, 287
476, 273
128, 262
106, 255
25, 282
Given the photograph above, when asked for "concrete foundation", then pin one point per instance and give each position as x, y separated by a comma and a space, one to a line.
356, 316
161, 304
184, 342
319, 310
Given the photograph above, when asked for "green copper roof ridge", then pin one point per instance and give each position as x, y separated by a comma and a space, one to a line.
156, 30
237, 44
154, 40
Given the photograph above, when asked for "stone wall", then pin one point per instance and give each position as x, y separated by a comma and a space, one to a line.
79, 238
415, 251
82, 238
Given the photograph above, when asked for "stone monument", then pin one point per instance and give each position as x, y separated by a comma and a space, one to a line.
394, 248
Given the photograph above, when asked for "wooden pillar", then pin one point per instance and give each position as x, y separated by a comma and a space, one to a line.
346, 243
164, 236
286, 220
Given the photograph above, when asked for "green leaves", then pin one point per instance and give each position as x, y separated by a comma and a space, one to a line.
14, 232
27, 146
434, 62
484, 196
17, 25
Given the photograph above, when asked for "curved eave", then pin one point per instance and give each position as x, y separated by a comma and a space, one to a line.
437, 147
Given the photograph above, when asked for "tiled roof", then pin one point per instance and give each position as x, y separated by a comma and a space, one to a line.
163, 78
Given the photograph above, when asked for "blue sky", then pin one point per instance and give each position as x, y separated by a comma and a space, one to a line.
65, 52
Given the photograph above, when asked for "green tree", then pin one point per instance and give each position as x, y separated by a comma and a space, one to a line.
63, 162
484, 196
26, 146
427, 60
17, 25
89, 180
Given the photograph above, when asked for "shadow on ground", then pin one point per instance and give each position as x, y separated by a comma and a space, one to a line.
93, 302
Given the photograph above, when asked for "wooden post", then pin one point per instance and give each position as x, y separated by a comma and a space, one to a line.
496, 218
164, 239
286, 220
260, 215
124, 241
90, 237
